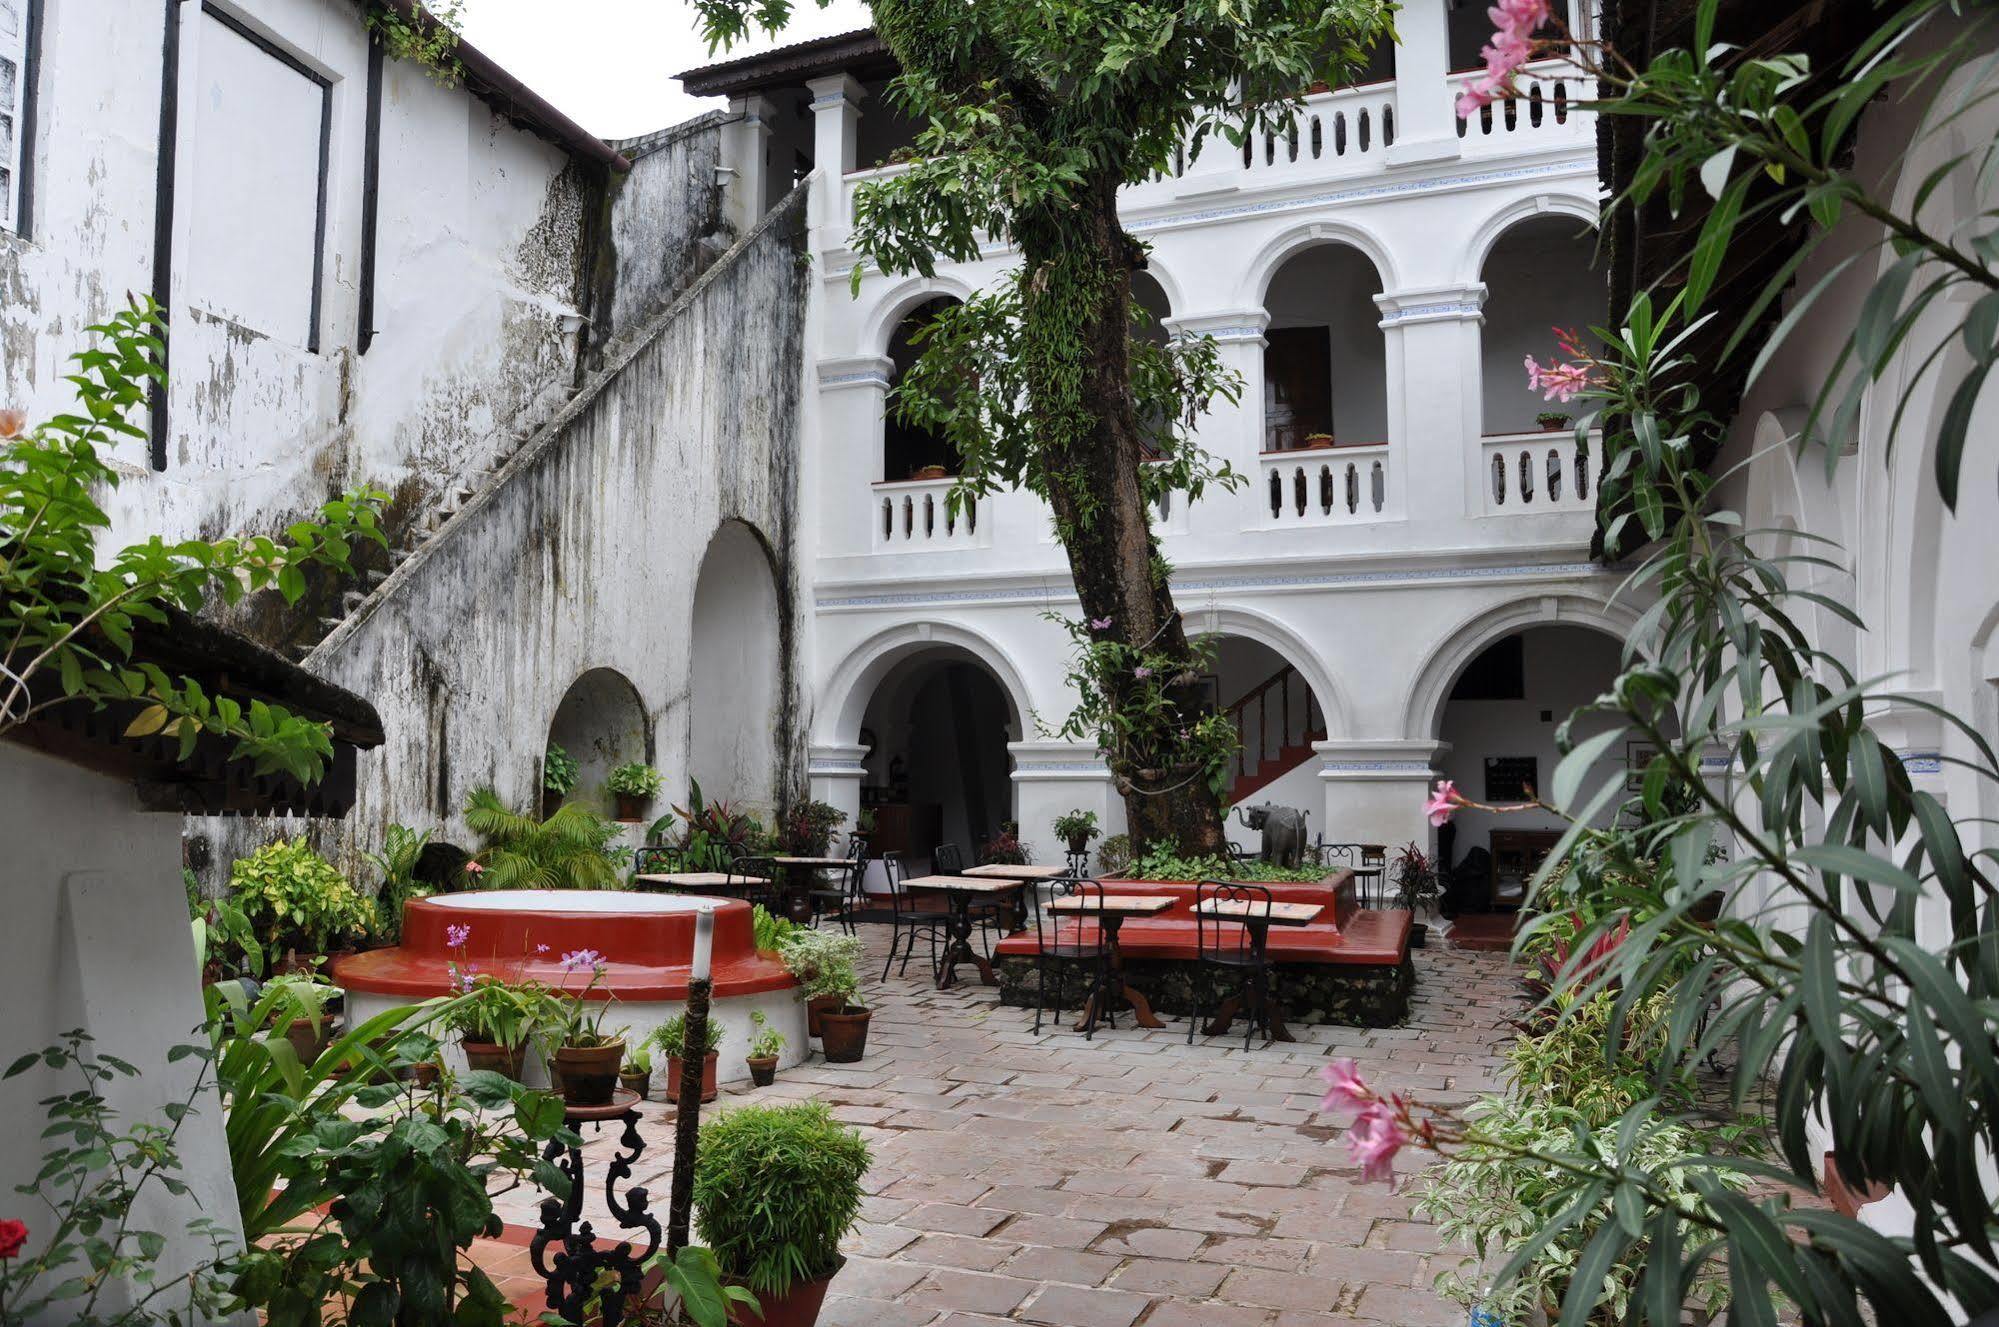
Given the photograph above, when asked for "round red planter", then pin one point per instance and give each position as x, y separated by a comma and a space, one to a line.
796, 1307
709, 1087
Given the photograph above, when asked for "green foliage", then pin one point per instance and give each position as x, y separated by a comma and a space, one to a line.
638, 1054
671, 1038
1114, 856
1415, 874
769, 930
427, 41
96, 1179
576, 1020
775, 1190
296, 900
500, 1012
224, 936
713, 834
808, 828
767, 1043
1163, 864
1004, 848
572, 849
694, 1275
635, 779
68, 609
1076, 824
559, 771
402, 850
824, 962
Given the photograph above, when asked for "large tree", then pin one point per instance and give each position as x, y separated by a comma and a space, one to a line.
1034, 114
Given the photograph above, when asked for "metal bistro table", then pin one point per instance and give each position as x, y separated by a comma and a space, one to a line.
1022, 876
1110, 910
797, 897
579, 1264
1257, 917
958, 892
705, 882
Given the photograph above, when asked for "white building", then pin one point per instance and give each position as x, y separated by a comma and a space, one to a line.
1377, 274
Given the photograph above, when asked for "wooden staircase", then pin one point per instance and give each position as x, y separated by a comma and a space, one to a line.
1277, 721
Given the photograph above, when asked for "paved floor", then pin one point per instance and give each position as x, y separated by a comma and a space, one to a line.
1130, 1179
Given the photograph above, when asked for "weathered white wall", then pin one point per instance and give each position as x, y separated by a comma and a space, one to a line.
736, 675
97, 939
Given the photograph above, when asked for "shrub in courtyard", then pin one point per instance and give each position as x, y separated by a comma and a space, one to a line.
571, 849
1076, 828
402, 851
769, 930
1005, 847
559, 771
776, 1188
808, 828
1162, 865
1114, 855
713, 834
297, 901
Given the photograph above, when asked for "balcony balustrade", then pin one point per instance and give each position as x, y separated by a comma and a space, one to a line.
917, 515
1334, 486
1527, 474
1547, 111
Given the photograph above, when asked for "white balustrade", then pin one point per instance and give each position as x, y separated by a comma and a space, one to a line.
917, 515
1548, 108
1323, 486
1527, 474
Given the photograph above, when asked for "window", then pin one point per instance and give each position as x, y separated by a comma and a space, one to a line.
910, 451
17, 38
1297, 386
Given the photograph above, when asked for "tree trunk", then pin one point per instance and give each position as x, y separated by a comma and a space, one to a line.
1083, 257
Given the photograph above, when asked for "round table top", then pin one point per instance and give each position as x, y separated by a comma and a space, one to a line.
622, 1100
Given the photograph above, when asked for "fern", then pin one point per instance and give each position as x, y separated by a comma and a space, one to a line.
571, 849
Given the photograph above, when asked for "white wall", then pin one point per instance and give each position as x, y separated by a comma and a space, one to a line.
97, 938
734, 677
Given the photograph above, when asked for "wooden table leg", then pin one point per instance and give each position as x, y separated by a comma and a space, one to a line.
961, 949
1224, 1018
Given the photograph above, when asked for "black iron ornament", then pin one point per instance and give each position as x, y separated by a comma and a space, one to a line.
589, 1281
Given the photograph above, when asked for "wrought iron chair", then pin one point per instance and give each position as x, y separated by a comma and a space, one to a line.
949, 859
1226, 946
656, 859
755, 880
1073, 939
1368, 862
842, 900
908, 919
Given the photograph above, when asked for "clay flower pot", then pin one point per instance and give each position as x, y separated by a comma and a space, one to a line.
632, 807
843, 1033
796, 1307
814, 1008
763, 1069
493, 1057
308, 1043
639, 1083
1079, 844
709, 1086
589, 1074
932, 472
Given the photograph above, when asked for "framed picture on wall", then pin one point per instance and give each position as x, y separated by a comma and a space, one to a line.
1511, 778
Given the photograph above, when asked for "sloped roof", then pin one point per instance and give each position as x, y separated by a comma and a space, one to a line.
860, 53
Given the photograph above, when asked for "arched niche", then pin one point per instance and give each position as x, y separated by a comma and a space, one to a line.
734, 691
1540, 273
1325, 364
600, 724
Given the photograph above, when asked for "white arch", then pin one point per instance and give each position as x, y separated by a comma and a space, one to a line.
1423, 710
1168, 284
849, 688
1521, 210
1267, 631
1255, 287
895, 305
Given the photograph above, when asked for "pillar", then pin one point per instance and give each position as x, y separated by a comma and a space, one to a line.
836, 124
1426, 127
1234, 432
1052, 779
1375, 788
746, 153
1432, 350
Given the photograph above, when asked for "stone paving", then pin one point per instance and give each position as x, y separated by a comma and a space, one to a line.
1129, 1179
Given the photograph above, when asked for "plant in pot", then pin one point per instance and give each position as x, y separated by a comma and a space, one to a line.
1076, 829
1552, 421
671, 1039
559, 773
713, 834
299, 904
808, 828
586, 1059
1005, 847
776, 1188
843, 1020
571, 849
496, 1017
636, 1073
401, 854
765, 1046
634, 784
824, 962
1316, 441
1417, 888
298, 1003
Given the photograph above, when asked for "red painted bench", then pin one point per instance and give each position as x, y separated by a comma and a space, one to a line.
1344, 935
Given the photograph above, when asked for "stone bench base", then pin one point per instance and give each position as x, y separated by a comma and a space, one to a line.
1372, 995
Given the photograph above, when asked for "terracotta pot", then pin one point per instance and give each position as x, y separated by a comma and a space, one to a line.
1556, 428
631, 807
796, 1307
844, 1034
308, 1043
816, 1006
932, 472
1316, 443
709, 1086
1079, 843
423, 1074
639, 1083
589, 1073
763, 1069
493, 1057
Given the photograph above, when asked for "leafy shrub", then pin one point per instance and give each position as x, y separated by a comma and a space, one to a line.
1164, 864
823, 961
671, 1037
572, 849
297, 900
1114, 855
1005, 847
768, 1043
1076, 824
768, 929
808, 829
635, 779
775, 1190
402, 850
559, 771
714, 834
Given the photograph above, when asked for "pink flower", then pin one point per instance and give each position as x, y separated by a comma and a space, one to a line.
540, 949
456, 936
1564, 381
1100, 624
1141, 672
1444, 799
475, 868
578, 960
1345, 1088
13, 423
1376, 1136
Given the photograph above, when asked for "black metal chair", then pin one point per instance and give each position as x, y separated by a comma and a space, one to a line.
1368, 862
656, 859
755, 880
1074, 939
1228, 946
949, 859
842, 900
909, 920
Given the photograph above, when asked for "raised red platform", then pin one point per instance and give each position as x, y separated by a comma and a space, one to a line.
646, 940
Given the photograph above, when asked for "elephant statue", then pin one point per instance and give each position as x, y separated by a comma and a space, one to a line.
1283, 829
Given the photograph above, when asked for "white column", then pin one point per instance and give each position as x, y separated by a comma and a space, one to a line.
1234, 433
1375, 789
835, 772
836, 123
853, 393
1053, 778
1425, 121
1432, 336
746, 152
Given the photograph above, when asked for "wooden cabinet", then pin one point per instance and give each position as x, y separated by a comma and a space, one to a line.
1516, 855
910, 828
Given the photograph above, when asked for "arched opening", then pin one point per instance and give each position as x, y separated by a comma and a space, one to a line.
734, 681
1542, 273
910, 450
1500, 721
936, 765
1470, 28
600, 724
1278, 718
1325, 374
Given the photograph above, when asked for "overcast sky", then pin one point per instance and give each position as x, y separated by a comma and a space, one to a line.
609, 64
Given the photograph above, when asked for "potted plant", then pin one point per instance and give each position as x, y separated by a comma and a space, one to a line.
1552, 421
843, 1020
765, 1047
824, 964
1417, 888
931, 472
495, 1017
559, 773
586, 1059
636, 1075
298, 903
1005, 847
634, 784
808, 828
776, 1188
671, 1038
299, 1014
1316, 442
1076, 829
